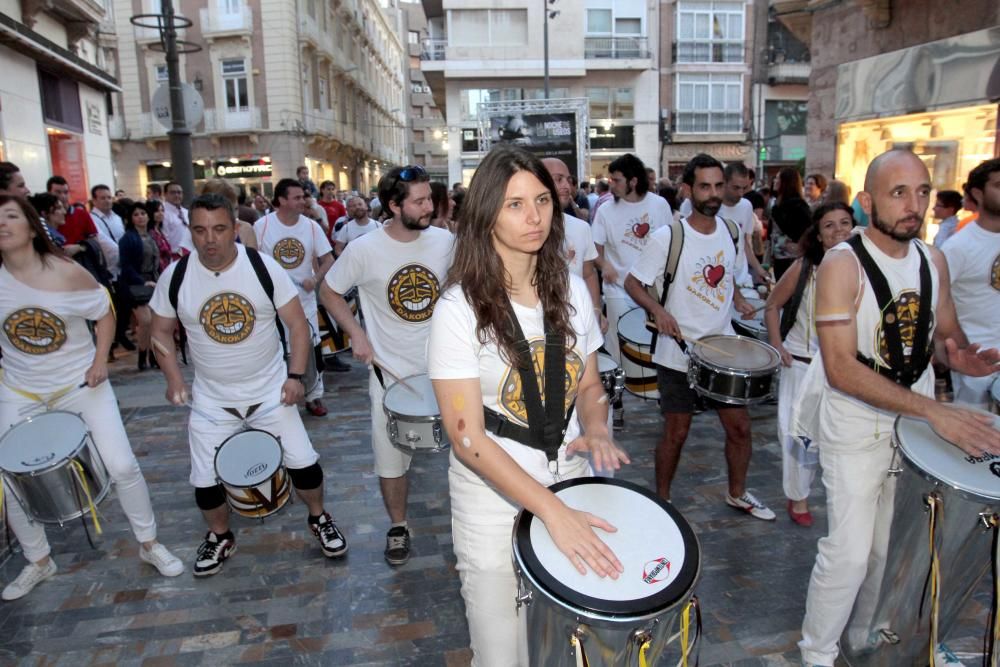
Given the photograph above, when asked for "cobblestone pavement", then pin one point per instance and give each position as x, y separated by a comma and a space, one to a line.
278, 601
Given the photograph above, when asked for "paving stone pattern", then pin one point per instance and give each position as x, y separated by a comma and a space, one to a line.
278, 601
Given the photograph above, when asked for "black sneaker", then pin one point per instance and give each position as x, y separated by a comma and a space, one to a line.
331, 540
336, 365
397, 545
212, 553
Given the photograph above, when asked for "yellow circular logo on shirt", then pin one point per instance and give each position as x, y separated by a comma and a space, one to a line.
412, 292
289, 252
35, 330
228, 318
995, 274
511, 396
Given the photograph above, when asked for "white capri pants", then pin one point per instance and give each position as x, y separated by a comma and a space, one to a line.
99, 409
283, 422
390, 461
799, 456
481, 524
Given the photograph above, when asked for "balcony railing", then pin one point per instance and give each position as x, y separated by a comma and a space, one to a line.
433, 49
321, 122
710, 51
616, 47
709, 122
224, 120
213, 22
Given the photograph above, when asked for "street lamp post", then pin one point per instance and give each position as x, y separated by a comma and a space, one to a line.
545, 39
180, 135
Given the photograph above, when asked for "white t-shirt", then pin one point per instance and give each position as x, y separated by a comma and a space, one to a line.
231, 329
454, 352
110, 230
623, 228
351, 230
742, 215
398, 286
175, 227
701, 296
46, 343
578, 244
973, 256
294, 248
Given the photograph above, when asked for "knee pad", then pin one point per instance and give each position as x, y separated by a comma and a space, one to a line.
210, 497
306, 478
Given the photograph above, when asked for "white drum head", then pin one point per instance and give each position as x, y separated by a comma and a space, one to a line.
420, 402
248, 458
654, 543
632, 327
737, 352
995, 389
39, 442
947, 463
605, 363
757, 323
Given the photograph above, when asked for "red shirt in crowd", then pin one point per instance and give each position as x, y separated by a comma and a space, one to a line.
79, 225
334, 211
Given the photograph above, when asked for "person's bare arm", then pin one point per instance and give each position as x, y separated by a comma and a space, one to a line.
590, 277
779, 296
162, 335
341, 312
607, 271
300, 345
665, 322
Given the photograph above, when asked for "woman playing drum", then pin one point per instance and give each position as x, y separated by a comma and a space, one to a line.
48, 354
793, 335
510, 297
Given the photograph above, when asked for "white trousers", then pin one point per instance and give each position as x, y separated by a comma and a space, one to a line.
99, 410
390, 461
973, 390
616, 306
481, 524
799, 455
850, 561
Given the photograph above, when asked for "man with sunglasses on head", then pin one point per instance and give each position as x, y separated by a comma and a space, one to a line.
399, 270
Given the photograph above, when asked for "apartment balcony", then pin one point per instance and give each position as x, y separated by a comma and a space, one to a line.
433, 49
321, 122
117, 129
708, 126
217, 24
224, 120
616, 48
788, 73
702, 51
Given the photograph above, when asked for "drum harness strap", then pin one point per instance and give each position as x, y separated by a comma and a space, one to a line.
991, 642
791, 310
670, 272
901, 370
933, 580
546, 421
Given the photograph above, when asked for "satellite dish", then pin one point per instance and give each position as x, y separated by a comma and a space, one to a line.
194, 106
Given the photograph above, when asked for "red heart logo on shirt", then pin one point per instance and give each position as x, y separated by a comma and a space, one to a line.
713, 274
640, 230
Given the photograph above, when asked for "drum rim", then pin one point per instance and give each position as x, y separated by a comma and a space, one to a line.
530, 567
626, 314
422, 419
215, 459
961, 491
770, 370
55, 463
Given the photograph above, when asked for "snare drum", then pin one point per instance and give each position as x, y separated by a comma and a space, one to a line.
995, 396
733, 369
966, 493
753, 328
609, 619
412, 416
634, 340
52, 467
612, 376
250, 467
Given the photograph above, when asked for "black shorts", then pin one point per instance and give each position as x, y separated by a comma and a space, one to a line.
677, 396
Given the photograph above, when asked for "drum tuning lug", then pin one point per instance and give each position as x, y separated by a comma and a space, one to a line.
640, 637
895, 471
523, 596
988, 520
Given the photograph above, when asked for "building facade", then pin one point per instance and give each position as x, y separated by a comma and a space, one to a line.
281, 83
601, 51
58, 71
427, 130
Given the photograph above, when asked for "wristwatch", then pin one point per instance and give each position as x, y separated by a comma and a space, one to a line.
296, 376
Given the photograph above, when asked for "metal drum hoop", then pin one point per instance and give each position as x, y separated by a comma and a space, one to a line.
741, 372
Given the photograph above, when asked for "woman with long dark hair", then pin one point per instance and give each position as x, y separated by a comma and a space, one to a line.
794, 336
155, 211
508, 297
139, 258
51, 362
443, 207
791, 216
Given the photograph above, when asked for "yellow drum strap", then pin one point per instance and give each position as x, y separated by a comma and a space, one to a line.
934, 508
581, 658
82, 478
642, 653
38, 398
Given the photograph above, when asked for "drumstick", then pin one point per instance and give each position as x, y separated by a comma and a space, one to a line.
378, 362
204, 414
707, 346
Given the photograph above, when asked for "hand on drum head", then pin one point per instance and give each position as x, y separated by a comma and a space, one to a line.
604, 454
96, 374
745, 310
972, 432
572, 532
973, 360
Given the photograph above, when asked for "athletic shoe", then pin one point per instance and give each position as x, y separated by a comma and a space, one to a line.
160, 557
943, 657
749, 504
397, 545
30, 576
618, 418
337, 366
212, 553
331, 540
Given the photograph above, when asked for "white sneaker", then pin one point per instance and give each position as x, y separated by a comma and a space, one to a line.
160, 557
30, 576
749, 504
943, 657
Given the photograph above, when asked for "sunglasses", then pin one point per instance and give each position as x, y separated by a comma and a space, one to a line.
411, 173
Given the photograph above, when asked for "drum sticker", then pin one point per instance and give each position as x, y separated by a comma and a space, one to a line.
710, 282
907, 309
228, 318
412, 292
995, 274
35, 330
635, 235
255, 470
995, 468
656, 570
289, 252
510, 397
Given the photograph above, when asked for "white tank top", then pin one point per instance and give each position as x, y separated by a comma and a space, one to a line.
801, 340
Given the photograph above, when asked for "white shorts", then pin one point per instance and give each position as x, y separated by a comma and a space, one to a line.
390, 461
283, 422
